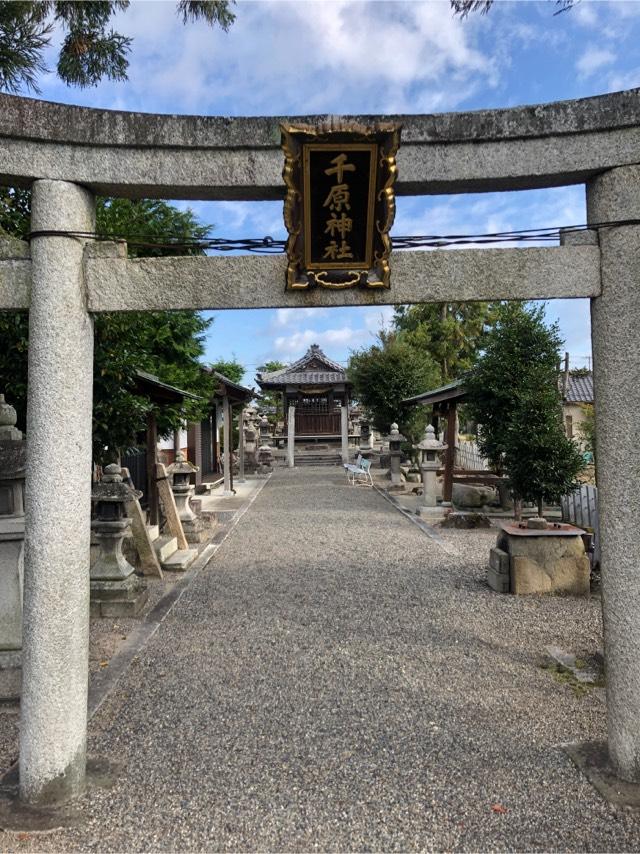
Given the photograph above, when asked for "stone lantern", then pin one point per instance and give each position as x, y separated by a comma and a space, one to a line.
182, 489
265, 452
250, 444
430, 448
395, 439
366, 439
13, 459
116, 591
265, 432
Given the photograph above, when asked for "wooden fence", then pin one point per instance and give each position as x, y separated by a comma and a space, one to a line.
580, 508
468, 457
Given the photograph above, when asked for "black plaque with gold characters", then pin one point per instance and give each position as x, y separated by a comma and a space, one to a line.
340, 204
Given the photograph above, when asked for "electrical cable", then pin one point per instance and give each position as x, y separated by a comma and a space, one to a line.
269, 246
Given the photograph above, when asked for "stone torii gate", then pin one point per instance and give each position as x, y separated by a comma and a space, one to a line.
67, 154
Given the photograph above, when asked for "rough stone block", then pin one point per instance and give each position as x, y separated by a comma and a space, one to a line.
497, 581
549, 565
466, 521
499, 562
499, 573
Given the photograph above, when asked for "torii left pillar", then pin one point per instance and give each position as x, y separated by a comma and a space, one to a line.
53, 726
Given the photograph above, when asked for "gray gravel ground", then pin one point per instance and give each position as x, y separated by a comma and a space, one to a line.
335, 680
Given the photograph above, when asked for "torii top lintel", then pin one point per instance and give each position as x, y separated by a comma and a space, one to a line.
206, 157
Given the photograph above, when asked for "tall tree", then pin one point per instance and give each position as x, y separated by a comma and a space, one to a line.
450, 333
90, 50
513, 394
272, 400
167, 344
386, 373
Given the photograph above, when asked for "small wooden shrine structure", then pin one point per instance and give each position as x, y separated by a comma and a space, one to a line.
203, 438
315, 390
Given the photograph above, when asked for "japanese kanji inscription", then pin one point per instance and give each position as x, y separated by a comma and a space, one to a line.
340, 205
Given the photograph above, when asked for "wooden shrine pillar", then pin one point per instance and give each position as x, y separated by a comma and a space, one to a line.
449, 458
152, 458
227, 432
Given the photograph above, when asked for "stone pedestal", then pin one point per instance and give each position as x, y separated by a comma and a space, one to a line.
540, 560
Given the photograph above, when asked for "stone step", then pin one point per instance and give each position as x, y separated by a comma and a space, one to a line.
318, 461
154, 532
165, 546
180, 560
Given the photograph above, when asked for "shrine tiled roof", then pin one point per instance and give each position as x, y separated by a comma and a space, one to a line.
314, 368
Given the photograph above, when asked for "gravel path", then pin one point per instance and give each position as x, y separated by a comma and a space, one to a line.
336, 680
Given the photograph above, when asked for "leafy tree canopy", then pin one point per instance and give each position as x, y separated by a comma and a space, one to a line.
450, 333
386, 373
167, 344
464, 7
90, 49
513, 394
272, 400
230, 368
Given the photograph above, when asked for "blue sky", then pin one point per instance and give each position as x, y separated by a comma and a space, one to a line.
376, 57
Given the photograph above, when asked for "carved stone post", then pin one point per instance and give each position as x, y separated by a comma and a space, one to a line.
344, 430
291, 437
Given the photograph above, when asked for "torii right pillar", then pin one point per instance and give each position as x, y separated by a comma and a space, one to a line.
615, 324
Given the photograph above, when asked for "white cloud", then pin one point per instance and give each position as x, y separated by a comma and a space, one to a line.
292, 316
358, 57
291, 347
585, 14
593, 59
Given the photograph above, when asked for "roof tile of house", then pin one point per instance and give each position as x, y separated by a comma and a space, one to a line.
580, 389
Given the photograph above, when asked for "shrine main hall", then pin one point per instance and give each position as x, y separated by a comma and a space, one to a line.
315, 394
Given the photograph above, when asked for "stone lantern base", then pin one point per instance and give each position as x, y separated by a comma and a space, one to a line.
123, 598
194, 530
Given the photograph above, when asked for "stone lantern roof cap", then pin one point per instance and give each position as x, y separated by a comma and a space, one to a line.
181, 465
112, 488
429, 441
395, 435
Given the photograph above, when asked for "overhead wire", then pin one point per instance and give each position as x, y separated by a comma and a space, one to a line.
270, 246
